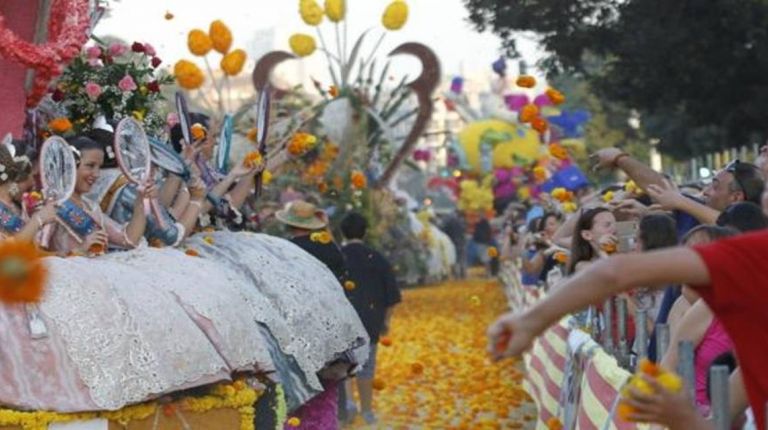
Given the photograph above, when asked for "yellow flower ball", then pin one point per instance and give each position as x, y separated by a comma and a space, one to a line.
310, 12
335, 9
608, 196
188, 75
220, 35
266, 177
395, 15
199, 43
302, 45
670, 381
293, 422
232, 63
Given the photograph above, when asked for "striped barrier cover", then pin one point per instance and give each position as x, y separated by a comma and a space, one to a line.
581, 387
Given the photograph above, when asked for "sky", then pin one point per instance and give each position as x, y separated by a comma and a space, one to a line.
440, 24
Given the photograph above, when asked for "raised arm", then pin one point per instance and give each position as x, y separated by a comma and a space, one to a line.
513, 333
692, 328
642, 174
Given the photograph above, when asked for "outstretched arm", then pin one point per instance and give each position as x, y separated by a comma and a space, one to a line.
513, 333
638, 171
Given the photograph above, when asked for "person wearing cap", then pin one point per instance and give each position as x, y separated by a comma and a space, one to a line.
302, 219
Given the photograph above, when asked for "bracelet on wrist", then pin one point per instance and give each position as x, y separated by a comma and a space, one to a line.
616, 159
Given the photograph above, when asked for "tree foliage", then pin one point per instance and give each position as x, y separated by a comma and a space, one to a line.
697, 71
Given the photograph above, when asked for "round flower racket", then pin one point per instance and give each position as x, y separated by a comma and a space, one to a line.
135, 157
225, 144
58, 169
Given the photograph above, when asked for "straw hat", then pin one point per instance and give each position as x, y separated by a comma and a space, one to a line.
301, 214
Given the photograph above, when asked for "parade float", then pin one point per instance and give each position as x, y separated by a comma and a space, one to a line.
212, 333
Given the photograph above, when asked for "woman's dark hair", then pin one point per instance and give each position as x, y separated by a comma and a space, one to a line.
107, 139
17, 170
713, 232
744, 217
84, 143
483, 233
194, 118
542, 221
581, 249
353, 226
657, 231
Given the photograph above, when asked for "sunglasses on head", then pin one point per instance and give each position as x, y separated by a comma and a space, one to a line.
732, 168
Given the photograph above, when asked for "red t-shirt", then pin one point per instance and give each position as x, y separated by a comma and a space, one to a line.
738, 295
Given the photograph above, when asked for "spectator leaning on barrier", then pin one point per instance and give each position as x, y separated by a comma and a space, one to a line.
729, 275
699, 325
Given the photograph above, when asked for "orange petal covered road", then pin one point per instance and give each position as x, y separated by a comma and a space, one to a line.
436, 374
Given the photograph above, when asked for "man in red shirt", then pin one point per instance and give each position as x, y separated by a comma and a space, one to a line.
730, 275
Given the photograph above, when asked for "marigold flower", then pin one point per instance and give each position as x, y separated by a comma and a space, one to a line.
561, 257
330, 151
417, 368
322, 187
156, 243
333, 91
232, 63
569, 207
301, 143
608, 196
385, 341
188, 75
252, 134
378, 384
293, 422
302, 45
335, 9
349, 285
22, 272
96, 249
220, 36
540, 173
560, 194
252, 159
192, 253
198, 132
322, 237
395, 15
199, 43
208, 239
558, 151
632, 188
540, 124
608, 248
493, 252
60, 125
555, 96
266, 177
310, 12
553, 423
528, 113
648, 367
358, 180
526, 81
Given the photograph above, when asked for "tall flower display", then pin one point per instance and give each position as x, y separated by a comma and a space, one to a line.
114, 81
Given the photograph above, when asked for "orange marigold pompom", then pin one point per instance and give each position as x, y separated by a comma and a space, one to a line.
385, 341
609, 248
553, 423
558, 151
252, 159
252, 134
648, 367
359, 180
378, 384
232, 63
22, 272
293, 422
333, 91
188, 75
349, 285
528, 113
199, 43
60, 125
526, 81
493, 252
192, 253
198, 131
555, 96
540, 124
220, 36
561, 257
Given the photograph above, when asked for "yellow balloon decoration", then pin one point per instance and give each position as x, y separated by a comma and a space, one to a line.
523, 144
